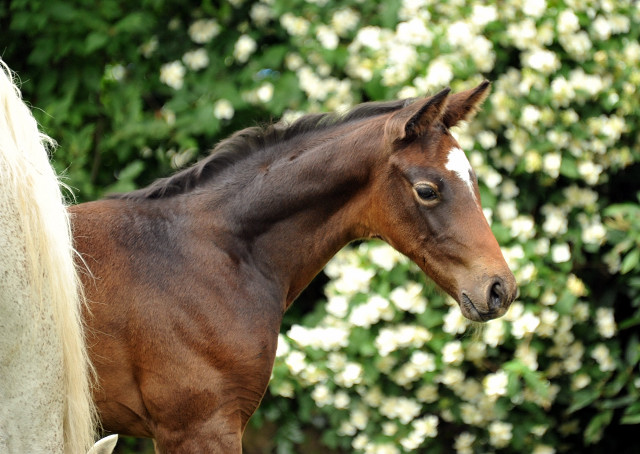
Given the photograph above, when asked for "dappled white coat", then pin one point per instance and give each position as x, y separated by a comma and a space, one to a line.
45, 400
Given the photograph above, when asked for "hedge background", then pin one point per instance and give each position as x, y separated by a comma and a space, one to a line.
386, 364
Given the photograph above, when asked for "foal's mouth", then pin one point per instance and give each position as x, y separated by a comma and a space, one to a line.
470, 311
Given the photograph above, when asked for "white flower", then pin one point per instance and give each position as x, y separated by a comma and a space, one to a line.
562, 91
577, 44
527, 355
459, 33
487, 139
370, 36
390, 339
534, 8
500, 433
402, 408
551, 164
464, 443
439, 74
327, 37
346, 428
172, 74
261, 14
359, 417
481, 15
360, 442
371, 312
451, 377
295, 26
341, 400
507, 211
283, 346
560, 253
414, 32
115, 72
555, 220
196, 59
452, 352
344, 20
265, 92
296, 362
530, 117
203, 30
567, 22
481, 51
427, 393
601, 354
243, 48
493, 334
426, 426
320, 337
409, 298
321, 395
548, 319
524, 325
601, 28
354, 280
605, 322
524, 34
454, 321
338, 306
590, 171
523, 227
351, 375
223, 110
389, 428
495, 385
543, 449
580, 381
541, 60
385, 256
594, 233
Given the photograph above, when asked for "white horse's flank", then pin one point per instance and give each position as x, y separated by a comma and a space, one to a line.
45, 374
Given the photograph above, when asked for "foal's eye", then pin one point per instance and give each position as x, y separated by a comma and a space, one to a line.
426, 192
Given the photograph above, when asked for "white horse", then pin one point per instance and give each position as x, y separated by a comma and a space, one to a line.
45, 374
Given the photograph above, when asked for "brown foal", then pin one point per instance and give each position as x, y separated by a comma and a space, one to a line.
188, 278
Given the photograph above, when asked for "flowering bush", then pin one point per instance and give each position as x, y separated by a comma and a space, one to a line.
387, 364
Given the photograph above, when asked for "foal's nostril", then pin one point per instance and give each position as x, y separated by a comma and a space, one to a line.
496, 296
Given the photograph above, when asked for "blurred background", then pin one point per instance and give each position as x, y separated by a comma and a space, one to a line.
372, 358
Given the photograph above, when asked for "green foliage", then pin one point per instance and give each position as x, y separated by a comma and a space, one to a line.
386, 364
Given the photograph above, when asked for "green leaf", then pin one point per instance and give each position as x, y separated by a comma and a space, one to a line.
596, 426
630, 261
631, 414
95, 41
582, 398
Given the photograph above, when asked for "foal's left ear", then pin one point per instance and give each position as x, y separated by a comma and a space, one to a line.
463, 105
414, 120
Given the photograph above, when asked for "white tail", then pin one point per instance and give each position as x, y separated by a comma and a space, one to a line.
40, 303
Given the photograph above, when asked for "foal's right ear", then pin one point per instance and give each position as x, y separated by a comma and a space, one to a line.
414, 120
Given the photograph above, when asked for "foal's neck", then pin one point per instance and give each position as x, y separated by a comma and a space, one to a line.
302, 206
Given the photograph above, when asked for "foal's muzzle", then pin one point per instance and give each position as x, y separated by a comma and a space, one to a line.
489, 301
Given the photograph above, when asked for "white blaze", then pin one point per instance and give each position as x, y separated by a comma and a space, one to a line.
457, 162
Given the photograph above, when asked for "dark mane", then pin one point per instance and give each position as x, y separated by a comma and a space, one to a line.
248, 141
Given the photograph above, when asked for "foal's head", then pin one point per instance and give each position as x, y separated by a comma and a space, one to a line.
430, 208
